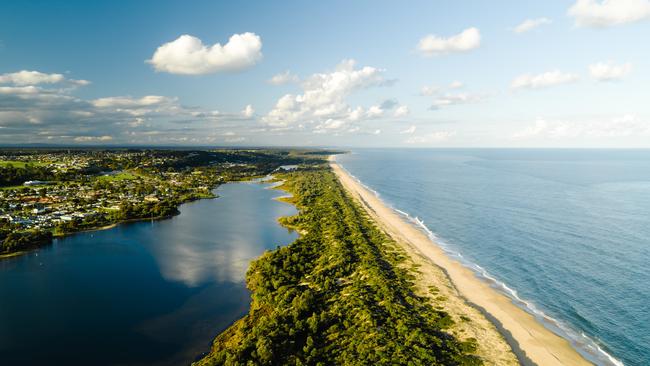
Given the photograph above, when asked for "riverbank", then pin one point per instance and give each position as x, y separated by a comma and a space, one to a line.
529, 339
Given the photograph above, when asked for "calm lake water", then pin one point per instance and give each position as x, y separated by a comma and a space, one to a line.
141, 293
564, 232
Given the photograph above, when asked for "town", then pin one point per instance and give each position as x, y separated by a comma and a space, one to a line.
50, 193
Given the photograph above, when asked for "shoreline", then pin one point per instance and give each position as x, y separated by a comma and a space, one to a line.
530, 340
104, 227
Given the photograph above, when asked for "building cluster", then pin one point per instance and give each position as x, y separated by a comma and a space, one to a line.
97, 192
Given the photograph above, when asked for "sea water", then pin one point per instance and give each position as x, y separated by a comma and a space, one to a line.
564, 233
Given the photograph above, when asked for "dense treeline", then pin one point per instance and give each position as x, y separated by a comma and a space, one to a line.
10, 175
337, 295
14, 240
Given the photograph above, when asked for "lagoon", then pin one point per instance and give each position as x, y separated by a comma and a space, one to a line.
140, 293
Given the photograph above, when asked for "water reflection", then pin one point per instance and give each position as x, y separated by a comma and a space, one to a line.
150, 293
185, 254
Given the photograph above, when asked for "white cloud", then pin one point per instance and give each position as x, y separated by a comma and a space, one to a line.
375, 111
466, 40
606, 13
620, 127
454, 99
550, 78
408, 131
530, 24
333, 125
248, 112
284, 78
355, 114
25, 78
48, 112
324, 96
129, 102
189, 56
608, 71
433, 137
402, 111
376, 132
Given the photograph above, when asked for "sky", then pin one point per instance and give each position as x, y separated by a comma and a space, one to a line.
571, 73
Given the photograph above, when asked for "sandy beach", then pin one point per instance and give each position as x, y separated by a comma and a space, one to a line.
485, 314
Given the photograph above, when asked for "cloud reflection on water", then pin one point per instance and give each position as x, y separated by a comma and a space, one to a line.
215, 240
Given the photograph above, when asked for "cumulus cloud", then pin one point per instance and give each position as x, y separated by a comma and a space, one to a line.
429, 138
547, 79
606, 13
401, 111
187, 55
608, 71
26, 77
624, 126
46, 112
466, 40
284, 78
375, 111
248, 112
324, 97
530, 24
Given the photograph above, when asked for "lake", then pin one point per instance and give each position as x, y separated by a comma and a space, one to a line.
140, 293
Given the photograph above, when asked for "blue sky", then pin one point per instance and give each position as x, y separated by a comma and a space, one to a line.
362, 73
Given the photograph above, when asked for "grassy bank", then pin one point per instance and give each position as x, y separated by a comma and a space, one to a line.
339, 294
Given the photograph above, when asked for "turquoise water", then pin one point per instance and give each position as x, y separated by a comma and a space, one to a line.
565, 233
147, 293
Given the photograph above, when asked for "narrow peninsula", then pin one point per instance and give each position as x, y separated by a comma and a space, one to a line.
362, 286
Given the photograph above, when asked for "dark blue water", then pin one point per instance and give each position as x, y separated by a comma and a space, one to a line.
142, 293
568, 231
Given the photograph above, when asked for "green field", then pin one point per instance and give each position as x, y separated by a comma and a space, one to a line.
19, 164
120, 176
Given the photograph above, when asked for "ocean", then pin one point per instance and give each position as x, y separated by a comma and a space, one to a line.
564, 232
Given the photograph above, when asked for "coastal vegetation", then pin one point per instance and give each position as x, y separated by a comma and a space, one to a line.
339, 294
